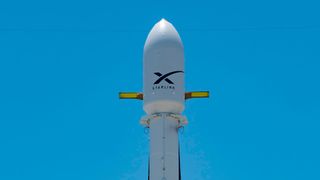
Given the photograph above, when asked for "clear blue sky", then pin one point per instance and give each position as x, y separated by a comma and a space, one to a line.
62, 64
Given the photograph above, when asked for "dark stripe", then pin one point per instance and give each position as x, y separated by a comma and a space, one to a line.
165, 76
179, 163
168, 81
149, 169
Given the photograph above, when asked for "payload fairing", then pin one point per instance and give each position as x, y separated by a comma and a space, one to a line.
163, 99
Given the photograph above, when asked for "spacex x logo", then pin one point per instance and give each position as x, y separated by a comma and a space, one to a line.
165, 77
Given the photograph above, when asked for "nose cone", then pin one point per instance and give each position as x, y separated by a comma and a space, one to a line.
163, 34
163, 70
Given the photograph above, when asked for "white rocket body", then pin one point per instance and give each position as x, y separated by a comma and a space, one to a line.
163, 70
163, 97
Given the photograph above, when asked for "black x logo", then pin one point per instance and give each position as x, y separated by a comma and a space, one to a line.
165, 77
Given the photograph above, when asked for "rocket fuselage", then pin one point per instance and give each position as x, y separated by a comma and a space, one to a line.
163, 95
163, 99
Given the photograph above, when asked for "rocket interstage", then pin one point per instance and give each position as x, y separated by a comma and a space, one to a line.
163, 99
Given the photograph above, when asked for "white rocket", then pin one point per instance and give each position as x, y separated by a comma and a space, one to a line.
163, 99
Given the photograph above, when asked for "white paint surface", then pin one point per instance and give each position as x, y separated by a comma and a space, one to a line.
164, 148
163, 54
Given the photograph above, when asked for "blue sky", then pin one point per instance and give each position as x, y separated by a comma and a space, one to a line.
62, 64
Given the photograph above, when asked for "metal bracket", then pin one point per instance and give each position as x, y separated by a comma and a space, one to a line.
145, 120
182, 120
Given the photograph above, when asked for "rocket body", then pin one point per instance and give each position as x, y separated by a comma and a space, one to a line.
163, 97
164, 148
163, 70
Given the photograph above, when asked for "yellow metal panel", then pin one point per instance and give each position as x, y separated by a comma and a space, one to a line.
197, 94
130, 95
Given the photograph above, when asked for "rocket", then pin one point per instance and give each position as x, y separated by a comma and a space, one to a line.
163, 99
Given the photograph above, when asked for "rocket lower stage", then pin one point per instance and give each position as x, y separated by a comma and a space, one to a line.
164, 148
